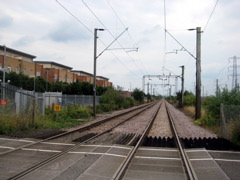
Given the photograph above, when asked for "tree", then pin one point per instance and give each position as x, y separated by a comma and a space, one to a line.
138, 95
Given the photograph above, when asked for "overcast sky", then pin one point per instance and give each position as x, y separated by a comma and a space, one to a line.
45, 29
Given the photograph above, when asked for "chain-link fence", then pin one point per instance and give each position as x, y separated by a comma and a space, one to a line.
19, 101
230, 120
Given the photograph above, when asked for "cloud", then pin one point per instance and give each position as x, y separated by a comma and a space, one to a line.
23, 41
5, 21
66, 32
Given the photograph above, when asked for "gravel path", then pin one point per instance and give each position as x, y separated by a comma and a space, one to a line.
161, 127
186, 128
137, 124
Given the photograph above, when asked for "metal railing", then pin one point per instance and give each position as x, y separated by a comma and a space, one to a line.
17, 100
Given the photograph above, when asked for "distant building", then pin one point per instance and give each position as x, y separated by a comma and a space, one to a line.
126, 93
54, 72
17, 61
83, 76
102, 81
21, 62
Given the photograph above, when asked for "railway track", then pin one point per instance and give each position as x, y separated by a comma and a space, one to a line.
39, 153
107, 150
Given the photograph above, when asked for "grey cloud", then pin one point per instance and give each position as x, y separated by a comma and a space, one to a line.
152, 30
5, 21
23, 41
68, 32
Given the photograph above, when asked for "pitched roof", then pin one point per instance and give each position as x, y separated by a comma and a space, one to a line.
53, 63
83, 72
102, 77
17, 52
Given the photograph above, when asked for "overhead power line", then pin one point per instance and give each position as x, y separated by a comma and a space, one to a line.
210, 15
74, 16
111, 34
79, 21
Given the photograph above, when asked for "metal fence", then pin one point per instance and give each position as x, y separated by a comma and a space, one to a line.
19, 101
230, 119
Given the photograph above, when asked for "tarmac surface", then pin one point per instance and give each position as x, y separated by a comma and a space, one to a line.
103, 162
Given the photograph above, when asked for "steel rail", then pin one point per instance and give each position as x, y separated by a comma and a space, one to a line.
119, 175
45, 161
77, 130
186, 163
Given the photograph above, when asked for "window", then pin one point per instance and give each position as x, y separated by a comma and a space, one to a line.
24, 71
38, 74
65, 78
31, 72
9, 69
55, 77
16, 70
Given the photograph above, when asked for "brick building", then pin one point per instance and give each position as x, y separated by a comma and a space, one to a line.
53, 72
83, 76
17, 61
102, 81
21, 62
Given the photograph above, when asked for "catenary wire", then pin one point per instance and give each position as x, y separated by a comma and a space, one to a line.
93, 33
111, 34
133, 42
210, 15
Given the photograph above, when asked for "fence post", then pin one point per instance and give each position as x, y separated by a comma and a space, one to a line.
43, 103
34, 109
21, 103
223, 122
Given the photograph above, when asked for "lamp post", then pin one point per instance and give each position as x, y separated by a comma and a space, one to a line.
94, 69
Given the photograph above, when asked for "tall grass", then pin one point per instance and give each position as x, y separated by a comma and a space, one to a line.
69, 116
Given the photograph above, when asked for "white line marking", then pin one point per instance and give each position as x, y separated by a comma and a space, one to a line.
163, 158
120, 147
21, 140
58, 143
148, 149
196, 150
237, 152
95, 153
41, 150
7, 147
202, 159
231, 160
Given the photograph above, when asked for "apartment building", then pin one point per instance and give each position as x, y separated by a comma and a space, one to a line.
21, 62
102, 81
53, 72
83, 76
17, 61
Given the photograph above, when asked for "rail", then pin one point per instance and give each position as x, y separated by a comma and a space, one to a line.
188, 168
119, 175
57, 155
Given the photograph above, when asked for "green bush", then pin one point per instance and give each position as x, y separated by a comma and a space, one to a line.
235, 135
189, 99
128, 102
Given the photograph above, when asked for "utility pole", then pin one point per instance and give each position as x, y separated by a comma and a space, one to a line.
217, 88
182, 91
198, 75
4, 72
94, 71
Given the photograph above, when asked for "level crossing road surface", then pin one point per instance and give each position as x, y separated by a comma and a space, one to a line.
103, 162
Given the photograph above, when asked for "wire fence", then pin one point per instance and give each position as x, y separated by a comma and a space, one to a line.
19, 101
230, 120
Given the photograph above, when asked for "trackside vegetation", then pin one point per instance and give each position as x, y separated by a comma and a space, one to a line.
70, 115
211, 110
